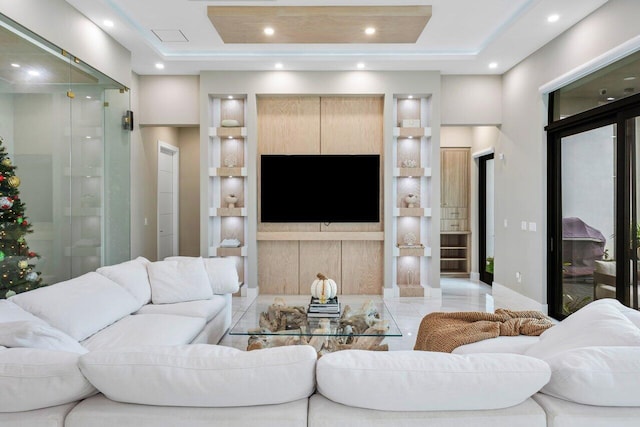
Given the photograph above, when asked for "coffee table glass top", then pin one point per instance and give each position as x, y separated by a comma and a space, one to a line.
360, 315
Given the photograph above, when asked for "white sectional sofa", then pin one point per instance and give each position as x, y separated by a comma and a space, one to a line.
101, 351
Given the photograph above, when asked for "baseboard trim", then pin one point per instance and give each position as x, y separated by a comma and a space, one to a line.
504, 297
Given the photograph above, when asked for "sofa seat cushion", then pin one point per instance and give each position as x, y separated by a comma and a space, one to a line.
147, 329
429, 381
517, 345
35, 378
596, 324
202, 375
79, 307
561, 413
37, 334
53, 416
604, 376
98, 411
325, 413
132, 276
207, 309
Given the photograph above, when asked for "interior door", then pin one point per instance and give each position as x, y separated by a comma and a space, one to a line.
167, 200
486, 218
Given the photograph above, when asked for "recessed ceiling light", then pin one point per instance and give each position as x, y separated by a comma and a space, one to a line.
410, 96
88, 97
14, 65
626, 78
159, 65
369, 31
33, 73
493, 65
278, 65
553, 18
230, 97
611, 98
269, 31
107, 23
360, 65
87, 137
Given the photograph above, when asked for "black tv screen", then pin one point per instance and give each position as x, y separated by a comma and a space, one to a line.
320, 188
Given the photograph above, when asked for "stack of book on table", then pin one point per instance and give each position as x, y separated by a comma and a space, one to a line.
331, 308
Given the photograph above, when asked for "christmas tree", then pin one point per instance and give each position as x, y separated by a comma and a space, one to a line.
17, 268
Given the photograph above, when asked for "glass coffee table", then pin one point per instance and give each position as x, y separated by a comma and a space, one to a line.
272, 321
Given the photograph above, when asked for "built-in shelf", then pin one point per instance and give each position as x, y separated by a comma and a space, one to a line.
419, 251
219, 251
228, 212
411, 172
419, 212
227, 171
228, 132
411, 132
320, 235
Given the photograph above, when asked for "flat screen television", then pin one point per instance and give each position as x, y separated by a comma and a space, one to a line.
324, 188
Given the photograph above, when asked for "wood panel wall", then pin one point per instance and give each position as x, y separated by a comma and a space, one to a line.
320, 125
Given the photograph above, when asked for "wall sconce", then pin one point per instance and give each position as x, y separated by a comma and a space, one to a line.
127, 120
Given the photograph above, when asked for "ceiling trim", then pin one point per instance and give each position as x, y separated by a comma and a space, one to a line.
319, 24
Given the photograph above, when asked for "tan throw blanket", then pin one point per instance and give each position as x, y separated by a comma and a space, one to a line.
445, 331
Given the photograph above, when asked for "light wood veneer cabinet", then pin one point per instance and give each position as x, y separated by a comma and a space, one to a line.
455, 238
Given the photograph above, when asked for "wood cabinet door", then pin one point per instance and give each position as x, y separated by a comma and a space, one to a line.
454, 183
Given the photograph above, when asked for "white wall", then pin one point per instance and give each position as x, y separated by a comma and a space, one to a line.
471, 100
64, 26
169, 101
521, 177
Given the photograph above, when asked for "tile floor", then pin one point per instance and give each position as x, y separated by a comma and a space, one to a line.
457, 295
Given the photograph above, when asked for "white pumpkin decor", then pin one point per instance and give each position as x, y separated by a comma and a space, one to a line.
323, 288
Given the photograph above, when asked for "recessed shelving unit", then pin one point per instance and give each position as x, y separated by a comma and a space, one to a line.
228, 179
412, 194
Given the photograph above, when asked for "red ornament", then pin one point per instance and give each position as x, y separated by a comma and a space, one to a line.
25, 223
1, 178
32, 254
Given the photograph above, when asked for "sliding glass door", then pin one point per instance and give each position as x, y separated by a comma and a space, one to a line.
593, 208
486, 218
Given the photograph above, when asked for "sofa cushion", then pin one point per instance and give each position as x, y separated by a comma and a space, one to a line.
178, 281
517, 344
604, 376
202, 375
207, 308
630, 313
35, 378
37, 334
592, 325
131, 275
222, 272
429, 381
79, 307
147, 329
562, 413
98, 411
11, 312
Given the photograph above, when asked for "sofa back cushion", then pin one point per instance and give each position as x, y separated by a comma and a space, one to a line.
34, 378
202, 375
596, 324
429, 381
131, 275
222, 272
178, 281
601, 376
37, 334
79, 307
11, 312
